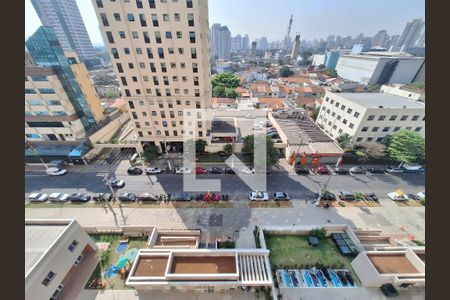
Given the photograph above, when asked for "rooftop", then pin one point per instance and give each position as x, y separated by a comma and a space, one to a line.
392, 264
375, 100
152, 266
203, 264
223, 125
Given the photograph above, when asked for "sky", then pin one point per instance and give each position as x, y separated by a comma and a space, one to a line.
313, 19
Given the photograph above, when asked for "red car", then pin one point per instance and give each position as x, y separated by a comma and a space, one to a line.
322, 170
200, 170
211, 197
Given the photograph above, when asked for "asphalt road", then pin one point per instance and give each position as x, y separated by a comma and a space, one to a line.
297, 186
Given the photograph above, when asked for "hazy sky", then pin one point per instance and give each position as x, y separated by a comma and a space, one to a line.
257, 18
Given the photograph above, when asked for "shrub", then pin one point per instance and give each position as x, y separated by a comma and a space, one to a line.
104, 258
422, 202
318, 233
227, 245
341, 204
359, 196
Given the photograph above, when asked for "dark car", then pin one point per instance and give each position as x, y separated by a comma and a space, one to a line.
322, 170
375, 170
389, 290
357, 170
329, 196
181, 197
222, 154
228, 170
371, 196
280, 196
103, 197
116, 183
147, 197
200, 170
301, 171
128, 197
134, 171
215, 170
341, 171
414, 197
79, 197
347, 195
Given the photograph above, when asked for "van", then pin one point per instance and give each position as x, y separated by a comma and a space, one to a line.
346, 196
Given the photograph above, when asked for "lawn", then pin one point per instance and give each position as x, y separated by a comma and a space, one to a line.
294, 252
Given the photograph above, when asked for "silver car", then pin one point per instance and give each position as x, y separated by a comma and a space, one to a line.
58, 197
36, 197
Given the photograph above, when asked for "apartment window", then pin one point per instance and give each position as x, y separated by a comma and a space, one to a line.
342, 107
73, 245
408, 128
126, 50
189, 3
158, 92
138, 51
119, 67
170, 50
176, 17
168, 35
329, 123
166, 132
351, 125
379, 140
193, 53
195, 67
155, 20
185, 91
145, 78
349, 111
179, 35
370, 118
381, 118
130, 17
331, 101
356, 114
183, 66
163, 67
130, 65
47, 91
359, 139
117, 17
127, 93
178, 102
196, 83
338, 117
192, 37
158, 132
149, 132
392, 118
39, 78
164, 123
160, 104
122, 34
131, 104
48, 278
152, 67
169, 104
134, 78
334, 126
364, 129
137, 124
188, 103
180, 113
104, 19
166, 80
53, 102
175, 133
168, 93
180, 50
155, 80
42, 113
197, 93
333, 114
139, 3
418, 129
344, 121
166, 18
386, 129
99, 3
158, 37
161, 52
135, 34
190, 18
337, 104
140, 134
404, 118
30, 91
148, 91
151, 3
173, 66
134, 115
149, 53
146, 37
369, 139
124, 80
375, 129
172, 115
415, 118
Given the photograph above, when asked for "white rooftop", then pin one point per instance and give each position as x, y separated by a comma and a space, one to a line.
375, 100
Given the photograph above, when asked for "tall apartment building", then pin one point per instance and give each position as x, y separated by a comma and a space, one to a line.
236, 43
380, 38
221, 39
410, 35
331, 58
295, 47
64, 17
245, 42
159, 50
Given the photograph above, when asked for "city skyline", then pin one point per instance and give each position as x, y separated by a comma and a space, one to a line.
361, 18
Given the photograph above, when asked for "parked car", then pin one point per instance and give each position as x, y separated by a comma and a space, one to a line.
277, 196
103, 197
257, 127
271, 130
55, 171
375, 170
301, 170
147, 197
250, 116
357, 170
259, 196
395, 170
421, 195
413, 169
211, 196
58, 197
151, 170
181, 197
329, 196
79, 197
248, 170
346, 195
322, 170
414, 197
116, 183
371, 196
127, 197
398, 196
228, 170
341, 171
36, 197
215, 170
183, 170
389, 290
134, 171
200, 170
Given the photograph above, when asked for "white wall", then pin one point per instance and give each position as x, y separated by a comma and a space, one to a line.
356, 69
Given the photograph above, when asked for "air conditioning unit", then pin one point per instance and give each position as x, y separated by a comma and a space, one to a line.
79, 259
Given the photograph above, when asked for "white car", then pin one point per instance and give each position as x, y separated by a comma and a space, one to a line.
421, 195
257, 127
250, 116
58, 197
153, 170
36, 197
259, 196
183, 170
56, 171
398, 196
248, 170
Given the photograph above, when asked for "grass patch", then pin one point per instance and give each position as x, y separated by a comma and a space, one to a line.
270, 204
361, 203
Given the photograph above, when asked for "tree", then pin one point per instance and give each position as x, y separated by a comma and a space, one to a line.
321, 66
200, 146
315, 113
228, 149
218, 91
374, 150
285, 71
331, 72
271, 153
150, 152
111, 94
407, 147
230, 93
374, 88
344, 141
227, 80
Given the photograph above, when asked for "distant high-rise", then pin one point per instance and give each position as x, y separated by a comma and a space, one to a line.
380, 38
296, 47
215, 36
254, 48
245, 42
221, 39
236, 43
411, 33
263, 43
64, 17
330, 41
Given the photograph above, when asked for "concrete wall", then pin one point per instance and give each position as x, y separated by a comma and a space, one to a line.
405, 72
367, 273
397, 91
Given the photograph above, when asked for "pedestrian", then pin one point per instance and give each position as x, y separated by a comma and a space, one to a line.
306, 202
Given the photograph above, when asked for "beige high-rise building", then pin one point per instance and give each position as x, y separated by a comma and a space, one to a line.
159, 50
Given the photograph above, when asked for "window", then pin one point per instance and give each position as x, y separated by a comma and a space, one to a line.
148, 91
168, 35
151, 3
42, 113
119, 67
415, 118
369, 139
127, 93
146, 37
166, 18
195, 67
404, 118
139, 3
359, 139
53, 102
344, 121
163, 68
180, 50
30, 91
39, 78
158, 132
176, 17
392, 118
124, 80
131, 104
110, 37
152, 67
356, 114
370, 118
196, 83
364, 129
134, 115
134, 78
396, 129
334, 126
104, 19
179, 35
145, 78
349, 111
73, 245
126, 50
351, 125
189, 3
333, 114
99, 3
338, 117
193, 53
47, 91
155, 80
379, 140
149, 53
337, 104
161, 52
173, 66
332, 101
138, 51
117, 17
381, 118
190, 18
158, 37
386, 129
192, 37
130, 65
342, 107
135, 34
170, 50
164, 123
418, 129
140, 134
155, 20
175, 133
137, 124
408, 128
130, 17
154, 113
122, 34
48, 278
375, 129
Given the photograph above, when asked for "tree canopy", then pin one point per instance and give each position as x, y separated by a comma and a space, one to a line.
285, 71
224, 85
272, 156
200, 145
344, 141
374, 88
151, 152
406, 146
228, 148
331, 72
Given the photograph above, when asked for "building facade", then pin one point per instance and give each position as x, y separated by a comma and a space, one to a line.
369, 117
296, 47
160, 53
331, 59
410, 35
64, 17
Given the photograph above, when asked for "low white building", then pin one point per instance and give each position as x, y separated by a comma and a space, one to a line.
369, 117
318, 59
403, 90
59, 258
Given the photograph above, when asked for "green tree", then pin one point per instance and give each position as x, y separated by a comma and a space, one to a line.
218, 91
111, 94
315, 113
226, 80
272, 156
344, 141
285, 71
150, 152
374, 88
331, 72
200, 146
228, 149
230, 93
407, 147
